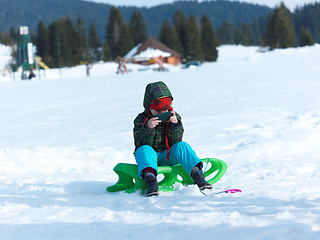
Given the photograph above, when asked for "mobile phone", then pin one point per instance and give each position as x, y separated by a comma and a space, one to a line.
164, 116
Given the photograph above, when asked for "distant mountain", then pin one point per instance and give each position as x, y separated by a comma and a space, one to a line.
29, 12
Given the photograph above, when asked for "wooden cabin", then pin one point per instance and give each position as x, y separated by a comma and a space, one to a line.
152, 51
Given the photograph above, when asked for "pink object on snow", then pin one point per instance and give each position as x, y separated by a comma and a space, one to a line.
232, 190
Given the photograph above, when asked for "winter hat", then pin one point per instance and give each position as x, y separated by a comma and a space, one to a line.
162, 104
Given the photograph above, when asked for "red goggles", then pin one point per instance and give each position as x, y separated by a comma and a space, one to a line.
161, 104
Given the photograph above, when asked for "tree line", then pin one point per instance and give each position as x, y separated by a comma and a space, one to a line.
16, 12
192, 39
65, 43
280, 29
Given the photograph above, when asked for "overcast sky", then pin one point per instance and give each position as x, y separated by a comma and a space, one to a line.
291, 4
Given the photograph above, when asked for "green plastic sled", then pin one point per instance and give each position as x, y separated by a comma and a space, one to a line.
130, 182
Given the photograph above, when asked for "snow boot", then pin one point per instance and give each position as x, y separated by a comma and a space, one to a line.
198, 178
152, 183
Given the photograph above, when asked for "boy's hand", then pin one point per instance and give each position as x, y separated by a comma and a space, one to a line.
173, 119
153, 122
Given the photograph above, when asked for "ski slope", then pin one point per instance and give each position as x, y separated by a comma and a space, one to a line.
257, 111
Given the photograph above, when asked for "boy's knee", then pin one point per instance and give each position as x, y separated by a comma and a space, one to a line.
144, 149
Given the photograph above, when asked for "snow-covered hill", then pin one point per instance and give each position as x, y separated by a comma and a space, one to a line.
259, 112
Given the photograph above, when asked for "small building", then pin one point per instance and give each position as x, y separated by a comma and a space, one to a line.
152, 51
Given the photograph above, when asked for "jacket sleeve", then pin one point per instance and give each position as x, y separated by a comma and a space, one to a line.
175, 131
142, 134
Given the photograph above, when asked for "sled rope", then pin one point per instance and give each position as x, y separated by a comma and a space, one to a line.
225, 191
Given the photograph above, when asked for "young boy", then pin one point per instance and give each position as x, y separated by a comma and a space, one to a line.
160, 143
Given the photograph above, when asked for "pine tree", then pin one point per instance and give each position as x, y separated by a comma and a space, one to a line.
258, 30
193, 44
138, 27
164, 30
42, 41
247, 35
5, 39
226, 33
181, 29
52, 60
14, 34
209, 41
115, 29
80, 47
169, 37
33, 37
67, 35
309, 18
281, 33
243, 35
106, 54
125, 42
94, 42
306, 38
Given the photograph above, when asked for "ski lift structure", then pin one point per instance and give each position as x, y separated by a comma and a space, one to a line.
26, 59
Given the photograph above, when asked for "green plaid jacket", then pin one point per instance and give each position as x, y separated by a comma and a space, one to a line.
156, 137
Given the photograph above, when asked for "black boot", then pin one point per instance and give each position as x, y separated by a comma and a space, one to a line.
152, 183
198, 178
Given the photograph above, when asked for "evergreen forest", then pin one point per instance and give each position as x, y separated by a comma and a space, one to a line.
93, 32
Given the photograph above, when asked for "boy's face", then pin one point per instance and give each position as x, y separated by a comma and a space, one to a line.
155, 112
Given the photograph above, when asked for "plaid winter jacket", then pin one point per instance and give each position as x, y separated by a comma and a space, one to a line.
156, 137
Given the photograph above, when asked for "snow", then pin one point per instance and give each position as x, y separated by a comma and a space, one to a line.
257, 111
151, 52
146, 54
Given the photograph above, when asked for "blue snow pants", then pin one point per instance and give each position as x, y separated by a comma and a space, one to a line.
180, 152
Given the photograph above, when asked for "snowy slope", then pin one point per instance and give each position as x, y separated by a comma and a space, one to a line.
259, 112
